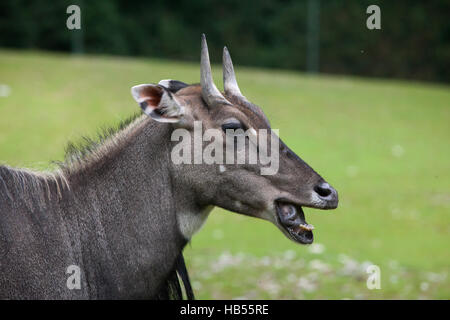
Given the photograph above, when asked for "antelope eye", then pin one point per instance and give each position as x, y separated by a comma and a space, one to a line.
234, 125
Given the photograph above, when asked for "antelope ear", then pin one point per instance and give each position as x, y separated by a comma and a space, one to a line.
158, 102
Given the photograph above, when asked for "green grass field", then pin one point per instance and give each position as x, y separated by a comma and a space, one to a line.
383, 144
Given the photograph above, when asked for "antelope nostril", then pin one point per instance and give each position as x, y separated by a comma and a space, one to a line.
323, 190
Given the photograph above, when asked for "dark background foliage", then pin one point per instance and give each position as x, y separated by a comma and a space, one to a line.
413, 42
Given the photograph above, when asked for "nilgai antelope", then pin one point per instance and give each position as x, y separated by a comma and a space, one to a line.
122, 211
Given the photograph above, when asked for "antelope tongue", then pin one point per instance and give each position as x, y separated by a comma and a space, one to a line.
292, 218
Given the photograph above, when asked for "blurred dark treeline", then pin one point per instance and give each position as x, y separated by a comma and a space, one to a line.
413, 42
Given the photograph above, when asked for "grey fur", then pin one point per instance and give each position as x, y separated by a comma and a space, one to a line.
113, 216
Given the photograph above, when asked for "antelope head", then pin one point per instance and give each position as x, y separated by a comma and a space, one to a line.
238, 186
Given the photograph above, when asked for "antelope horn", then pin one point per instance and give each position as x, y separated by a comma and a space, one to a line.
229, 78
210, 93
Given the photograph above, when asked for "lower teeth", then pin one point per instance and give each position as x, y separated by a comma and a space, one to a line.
307, 227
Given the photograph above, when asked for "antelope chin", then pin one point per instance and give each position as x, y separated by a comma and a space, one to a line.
292, 220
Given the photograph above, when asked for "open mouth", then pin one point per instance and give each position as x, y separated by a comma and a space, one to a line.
292, 218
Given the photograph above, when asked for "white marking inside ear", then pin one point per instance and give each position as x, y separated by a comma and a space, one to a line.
165, 83
168, 108
135, 92
190, 223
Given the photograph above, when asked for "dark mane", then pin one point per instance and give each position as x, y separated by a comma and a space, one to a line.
37, 187
30, 188
90, 154
86, 145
